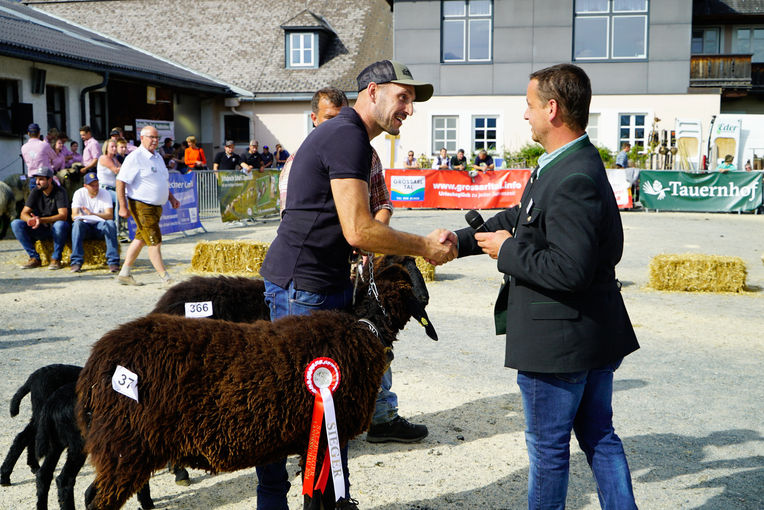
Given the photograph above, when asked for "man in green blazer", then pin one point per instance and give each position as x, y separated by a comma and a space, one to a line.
560, 304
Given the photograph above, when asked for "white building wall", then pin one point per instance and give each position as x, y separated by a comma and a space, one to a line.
513, 131
73, 80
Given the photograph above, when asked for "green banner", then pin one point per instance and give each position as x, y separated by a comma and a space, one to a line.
244, 195
710, 192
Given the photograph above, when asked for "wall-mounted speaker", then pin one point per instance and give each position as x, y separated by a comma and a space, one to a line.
38, 81
21, 117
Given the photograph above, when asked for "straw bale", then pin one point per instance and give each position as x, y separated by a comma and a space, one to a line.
427, 269
696, 272
94, 251
229, 257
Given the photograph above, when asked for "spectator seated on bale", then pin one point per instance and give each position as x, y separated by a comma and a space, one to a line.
43, 217
93, 215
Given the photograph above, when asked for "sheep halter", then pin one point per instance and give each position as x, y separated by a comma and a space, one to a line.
322, 377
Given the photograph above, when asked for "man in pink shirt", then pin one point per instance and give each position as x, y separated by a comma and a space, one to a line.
36, 153
91, 150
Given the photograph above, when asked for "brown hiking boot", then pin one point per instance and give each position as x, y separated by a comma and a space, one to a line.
32, 263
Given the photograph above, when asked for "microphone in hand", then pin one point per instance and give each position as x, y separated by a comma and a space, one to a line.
475, 220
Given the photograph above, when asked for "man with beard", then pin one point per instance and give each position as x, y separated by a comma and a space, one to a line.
327, 215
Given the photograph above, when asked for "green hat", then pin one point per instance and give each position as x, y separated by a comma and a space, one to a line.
389, 71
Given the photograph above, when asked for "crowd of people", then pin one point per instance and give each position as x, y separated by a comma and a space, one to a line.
482, 162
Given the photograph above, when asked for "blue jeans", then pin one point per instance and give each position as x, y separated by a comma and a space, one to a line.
386, 406
105, 230
273, 480
555, 404
27, 236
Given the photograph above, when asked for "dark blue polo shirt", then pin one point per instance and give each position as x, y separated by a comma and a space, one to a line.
309, 247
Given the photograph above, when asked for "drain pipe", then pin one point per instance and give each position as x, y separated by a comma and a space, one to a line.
89, 89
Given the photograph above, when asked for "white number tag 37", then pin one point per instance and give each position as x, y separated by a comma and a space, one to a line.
125, 382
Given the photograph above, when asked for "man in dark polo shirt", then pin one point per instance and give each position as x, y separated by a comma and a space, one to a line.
251, 159
43, 217
226, 159
327, 215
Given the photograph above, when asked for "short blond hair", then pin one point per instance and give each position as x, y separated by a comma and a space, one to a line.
191, 139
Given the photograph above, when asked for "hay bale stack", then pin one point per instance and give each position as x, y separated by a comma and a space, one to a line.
697, 273
229, 257
94, 252
427, 269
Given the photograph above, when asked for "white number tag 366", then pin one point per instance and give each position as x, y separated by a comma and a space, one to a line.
200, 309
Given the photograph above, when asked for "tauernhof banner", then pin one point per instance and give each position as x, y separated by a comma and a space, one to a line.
247, 195
185, 217
450, 189
711, 192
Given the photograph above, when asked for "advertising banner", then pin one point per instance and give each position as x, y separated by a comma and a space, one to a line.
448, 189
185, 217
709, 192
247, 195
621, 187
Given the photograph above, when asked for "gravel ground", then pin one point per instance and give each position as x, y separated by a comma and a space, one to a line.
688, 404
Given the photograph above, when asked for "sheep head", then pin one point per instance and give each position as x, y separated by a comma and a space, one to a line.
402, 295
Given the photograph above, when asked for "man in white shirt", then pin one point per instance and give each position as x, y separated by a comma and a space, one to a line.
93, 214
142, 189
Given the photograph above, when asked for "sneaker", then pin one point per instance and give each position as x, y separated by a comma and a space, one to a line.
32, 263
114, 268
346, 504
398, 430
76, 268
128, 280
54, 265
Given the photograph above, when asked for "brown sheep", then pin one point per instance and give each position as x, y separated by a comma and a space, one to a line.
223, 396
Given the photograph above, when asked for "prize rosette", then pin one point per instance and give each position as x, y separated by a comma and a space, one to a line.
322, 377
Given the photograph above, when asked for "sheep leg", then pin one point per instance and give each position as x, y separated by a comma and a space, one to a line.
114, 489
65, 480
24, 439
144, 497
45, 476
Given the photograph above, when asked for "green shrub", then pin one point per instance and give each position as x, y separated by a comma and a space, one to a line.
608, 159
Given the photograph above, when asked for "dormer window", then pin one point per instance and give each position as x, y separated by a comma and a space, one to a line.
302, 49
308, 37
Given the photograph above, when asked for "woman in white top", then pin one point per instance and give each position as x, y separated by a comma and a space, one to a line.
107, 170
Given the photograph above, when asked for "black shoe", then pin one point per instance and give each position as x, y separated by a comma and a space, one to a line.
398, 430
346, 504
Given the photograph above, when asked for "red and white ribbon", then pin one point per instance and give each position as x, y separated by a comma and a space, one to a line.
322, 376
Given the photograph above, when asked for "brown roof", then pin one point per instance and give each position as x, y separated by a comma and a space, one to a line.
243, 42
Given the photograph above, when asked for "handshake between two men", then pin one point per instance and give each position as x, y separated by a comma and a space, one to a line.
489, 242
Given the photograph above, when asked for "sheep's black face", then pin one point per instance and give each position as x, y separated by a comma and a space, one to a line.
401, 294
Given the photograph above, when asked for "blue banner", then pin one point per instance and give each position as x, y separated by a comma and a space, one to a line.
185, 217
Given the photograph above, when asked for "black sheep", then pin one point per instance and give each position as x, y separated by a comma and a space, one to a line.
40, 385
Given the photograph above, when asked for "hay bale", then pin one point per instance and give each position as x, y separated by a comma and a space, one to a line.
229, 257
94, 252
697, 273
427, 269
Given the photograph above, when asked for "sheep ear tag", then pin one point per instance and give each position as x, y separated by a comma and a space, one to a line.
417, 311
322, 377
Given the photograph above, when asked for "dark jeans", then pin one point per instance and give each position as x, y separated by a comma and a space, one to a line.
555, 404
27, 236
273, 480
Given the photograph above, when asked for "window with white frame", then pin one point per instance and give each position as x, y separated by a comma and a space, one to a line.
302, 49
749, 40
631, 129
705, 41
484, 133
467, 31
610, 29
444, 133
593, 128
